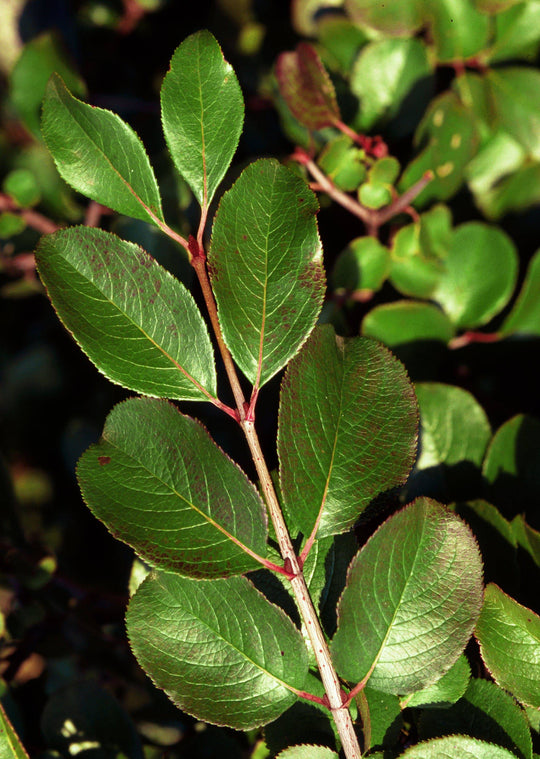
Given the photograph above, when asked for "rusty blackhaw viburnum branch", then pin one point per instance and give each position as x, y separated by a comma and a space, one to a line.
201, 624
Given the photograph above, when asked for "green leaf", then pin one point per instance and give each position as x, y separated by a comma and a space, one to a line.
11, 224
480, 276
83, 716
347, 430
456, 747
450, 131
162, 485
343, 163
307, 88
485, 712
385, 719
374, 195
340, 40
265, 263
384, 74
391, 18
515, 94
517, 32
306, 751
495, 6
524, 318
457, 28
512, 466
509, 639
527, 538
21, 185
217, 648
518, 190
415, 270
413, 596
203, 113
304, 14
10, 745
40, 58
363, 265
99, 154
138, 324
454, 435
445, 691
407, 321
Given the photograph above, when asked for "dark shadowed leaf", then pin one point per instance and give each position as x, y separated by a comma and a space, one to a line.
363, 265
485, 712
307, 88
217, 648
413, 596
99, 154
509, 639
347, 430
136, 322
265, 263
162, 485
203, 113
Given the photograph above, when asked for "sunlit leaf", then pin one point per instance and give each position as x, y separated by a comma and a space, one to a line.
10, 745
456, 747
217, 648
266, 269
99, 154
307, 752
524, 318
407, 321
457, 28
413, 596
203, 113
397, 19
509, 639
516, 96
445, 691
138, 324
363, 265
162, 485
347, 410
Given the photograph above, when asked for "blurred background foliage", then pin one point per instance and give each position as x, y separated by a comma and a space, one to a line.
450, 281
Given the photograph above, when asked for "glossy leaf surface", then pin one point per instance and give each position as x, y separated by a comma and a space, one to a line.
480, 276
99, 154
485, 712
134, 320
265, 263
160, 484
413, 596
363, 265
10, 745
516, 96
307, 88
219, 650
203, 113
457, 747
458, 29
524, 318
347, 430
407, 321
509, 639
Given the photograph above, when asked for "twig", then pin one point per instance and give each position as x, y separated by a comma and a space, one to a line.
35, 220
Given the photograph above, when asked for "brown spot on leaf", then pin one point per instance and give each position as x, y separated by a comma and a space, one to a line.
104, 460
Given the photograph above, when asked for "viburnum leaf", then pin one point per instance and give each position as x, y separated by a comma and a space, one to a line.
406, 321
265, 263
99, 154
445, 691
524, 318
162, 485
485, 712
203, 113
509, 638
413, 596
10, 745
134, 320
307, 752
218, 648
457, 747
307, 88
347, 430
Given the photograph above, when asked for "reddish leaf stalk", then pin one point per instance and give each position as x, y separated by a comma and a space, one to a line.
474, 337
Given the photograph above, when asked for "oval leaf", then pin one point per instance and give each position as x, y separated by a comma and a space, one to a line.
162, 485
307, 88
480, 276
10, 745
413, 596
457, 747
265, 264
407, 321
99, 154
203, 113
307, 752
133, 319
218, 648
347, 430
445, 691
509, 639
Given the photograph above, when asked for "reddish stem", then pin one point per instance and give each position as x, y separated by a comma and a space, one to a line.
474, 337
